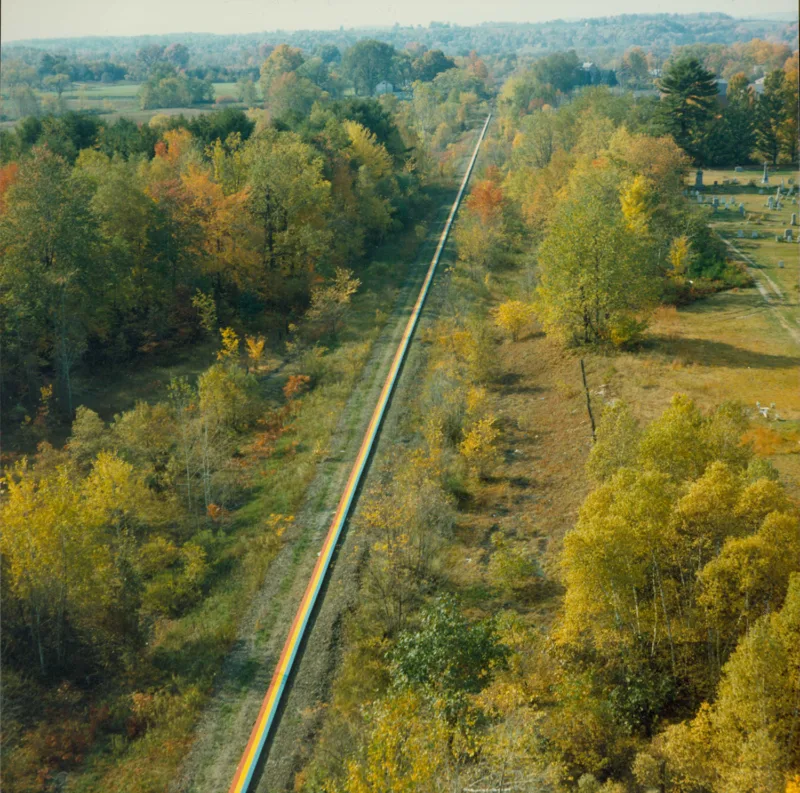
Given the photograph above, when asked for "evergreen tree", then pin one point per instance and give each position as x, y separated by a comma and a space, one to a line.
687, 103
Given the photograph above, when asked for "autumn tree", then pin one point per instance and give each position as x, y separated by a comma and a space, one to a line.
512, 316
772, 112
288, 199
282, 60
330, 302
595, 270
66, 543
674, 554
480, 234
747, 739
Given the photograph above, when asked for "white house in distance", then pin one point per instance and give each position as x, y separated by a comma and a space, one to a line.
384, 87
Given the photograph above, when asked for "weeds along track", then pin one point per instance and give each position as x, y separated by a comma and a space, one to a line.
299, 576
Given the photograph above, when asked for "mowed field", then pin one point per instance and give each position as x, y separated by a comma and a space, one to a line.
114, 100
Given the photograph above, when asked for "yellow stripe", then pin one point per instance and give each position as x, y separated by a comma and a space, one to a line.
269, 707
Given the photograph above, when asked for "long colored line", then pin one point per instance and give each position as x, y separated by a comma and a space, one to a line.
266, 716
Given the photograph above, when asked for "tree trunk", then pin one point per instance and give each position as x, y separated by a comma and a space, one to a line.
588, 402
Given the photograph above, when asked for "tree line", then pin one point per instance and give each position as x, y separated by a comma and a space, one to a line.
108, 232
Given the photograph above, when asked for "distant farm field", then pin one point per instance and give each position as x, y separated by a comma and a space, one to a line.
112, 101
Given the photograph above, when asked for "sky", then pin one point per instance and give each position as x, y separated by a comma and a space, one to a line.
28, 19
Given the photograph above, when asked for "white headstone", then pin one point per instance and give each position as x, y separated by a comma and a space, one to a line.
740, 234
780, 264
741, 210
794, 218
787, 235
754, 235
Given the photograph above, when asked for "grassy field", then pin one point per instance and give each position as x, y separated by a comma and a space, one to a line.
115, 100
765, 254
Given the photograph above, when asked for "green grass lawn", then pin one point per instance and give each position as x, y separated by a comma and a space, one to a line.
116, 100
765, 251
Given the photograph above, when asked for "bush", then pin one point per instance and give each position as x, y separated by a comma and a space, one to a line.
626, 331
512, 316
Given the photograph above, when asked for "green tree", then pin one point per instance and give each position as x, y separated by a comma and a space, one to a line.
58, 83
739, 115
431, 63
288, 201
368, 62
48, 237
593, 268
246, 91
688, 98
772, 112
447, 655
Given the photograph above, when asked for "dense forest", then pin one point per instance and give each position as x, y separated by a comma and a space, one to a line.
655, 648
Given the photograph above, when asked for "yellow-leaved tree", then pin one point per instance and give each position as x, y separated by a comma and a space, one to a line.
512, 316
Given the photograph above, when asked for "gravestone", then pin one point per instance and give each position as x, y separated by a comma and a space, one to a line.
780, 264
741, 210
761, 191
787, 235
771, 202
754, 235
740, 234
794, 218
765, 177
698, 180
738, 169
778, 238
699, 198
715, 202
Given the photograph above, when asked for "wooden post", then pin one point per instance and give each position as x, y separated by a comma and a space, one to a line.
588, 401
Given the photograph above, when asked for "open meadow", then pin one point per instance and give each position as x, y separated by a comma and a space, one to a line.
111, 101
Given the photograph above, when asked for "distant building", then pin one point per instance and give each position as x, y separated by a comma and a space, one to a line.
384, 87
758, 86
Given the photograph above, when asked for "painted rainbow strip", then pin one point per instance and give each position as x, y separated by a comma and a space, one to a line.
247, 765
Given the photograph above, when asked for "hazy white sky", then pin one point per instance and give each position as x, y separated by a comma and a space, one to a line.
27, 19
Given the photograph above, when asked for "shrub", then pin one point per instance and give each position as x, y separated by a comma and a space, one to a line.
512, 316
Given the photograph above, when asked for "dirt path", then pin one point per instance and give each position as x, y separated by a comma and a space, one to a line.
225, 727
769, 299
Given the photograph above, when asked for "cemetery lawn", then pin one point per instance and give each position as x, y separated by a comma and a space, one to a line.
782, 284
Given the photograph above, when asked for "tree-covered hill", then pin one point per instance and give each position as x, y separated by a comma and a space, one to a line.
658, 32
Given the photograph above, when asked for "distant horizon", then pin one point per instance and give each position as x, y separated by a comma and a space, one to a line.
119, 20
